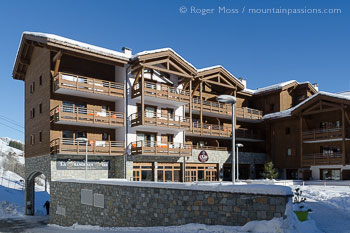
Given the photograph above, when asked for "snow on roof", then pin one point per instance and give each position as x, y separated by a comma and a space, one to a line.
273, 87
84, 46
203, 186
158, 51
288, 112
344, 93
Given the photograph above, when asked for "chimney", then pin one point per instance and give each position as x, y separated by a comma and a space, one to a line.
127, 51
315, 85
243, 81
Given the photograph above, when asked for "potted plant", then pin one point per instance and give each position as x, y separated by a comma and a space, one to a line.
299, 206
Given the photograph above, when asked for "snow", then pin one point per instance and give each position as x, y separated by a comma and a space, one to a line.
158, 51
203, 186
288, 112
73, 43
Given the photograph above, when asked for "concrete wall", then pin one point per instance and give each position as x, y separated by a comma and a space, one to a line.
117, 203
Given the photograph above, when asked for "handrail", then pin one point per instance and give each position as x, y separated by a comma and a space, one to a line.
211, 126
82, 110
141, 143
162, 87
157, 148
159, 116
88, 84
71, 146
323, 155
210, 148
322, 130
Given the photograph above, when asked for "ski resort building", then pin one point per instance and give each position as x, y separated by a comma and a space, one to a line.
153, 116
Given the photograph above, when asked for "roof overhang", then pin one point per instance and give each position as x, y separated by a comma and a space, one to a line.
29, 40
223, 77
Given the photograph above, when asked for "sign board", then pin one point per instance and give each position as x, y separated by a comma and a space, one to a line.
80, 165
203, 156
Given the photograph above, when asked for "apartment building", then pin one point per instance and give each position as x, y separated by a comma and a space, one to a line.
149, 116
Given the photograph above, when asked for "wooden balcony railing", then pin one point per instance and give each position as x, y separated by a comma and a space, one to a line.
153, 119
161, 149
199, 147
84, 115
248, 134
322, 134
86, 84
162, 91
71, 146
322, 159
211, 130
226, 109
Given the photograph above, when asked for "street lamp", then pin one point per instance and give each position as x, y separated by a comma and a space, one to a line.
86, 153
238, 146
228, 99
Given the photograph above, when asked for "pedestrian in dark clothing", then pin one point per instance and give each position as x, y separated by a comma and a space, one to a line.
47, 206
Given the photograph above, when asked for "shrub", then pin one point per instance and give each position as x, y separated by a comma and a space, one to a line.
16, 145
269, 171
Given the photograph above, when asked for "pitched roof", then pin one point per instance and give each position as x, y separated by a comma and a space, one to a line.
289, 112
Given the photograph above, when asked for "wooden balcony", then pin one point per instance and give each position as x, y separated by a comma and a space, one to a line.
210, 130
248, 134
322, 159
76, 85
322, 134
73, 115
215, 107
160, 149
157, 120
162, 92
199, 147
74, 147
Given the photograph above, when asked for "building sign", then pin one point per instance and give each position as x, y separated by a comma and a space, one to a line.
203, 156
80, 165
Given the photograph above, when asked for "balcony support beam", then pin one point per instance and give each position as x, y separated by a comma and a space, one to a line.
57, 60
143, 95
191, 103
201, 99
301, 139
343, 135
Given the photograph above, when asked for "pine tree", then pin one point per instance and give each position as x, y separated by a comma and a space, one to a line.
269, 171
16, 145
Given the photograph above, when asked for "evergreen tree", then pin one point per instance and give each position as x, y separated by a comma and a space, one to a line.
16, 145
269, 171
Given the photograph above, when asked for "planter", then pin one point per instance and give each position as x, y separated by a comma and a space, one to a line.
302, 215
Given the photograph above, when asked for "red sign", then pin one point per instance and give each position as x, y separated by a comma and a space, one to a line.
203, 156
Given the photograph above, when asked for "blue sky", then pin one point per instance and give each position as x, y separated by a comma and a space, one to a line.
263, 48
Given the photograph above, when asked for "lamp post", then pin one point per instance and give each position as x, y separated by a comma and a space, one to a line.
238, 146
228, 99
86, 153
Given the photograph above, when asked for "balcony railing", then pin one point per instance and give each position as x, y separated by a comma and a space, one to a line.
322, 159
248, 134
322, 134
161, 91
211, 130
153, 119
71, 147
199, 147
84, 115
226, 109
88, 85
161, 149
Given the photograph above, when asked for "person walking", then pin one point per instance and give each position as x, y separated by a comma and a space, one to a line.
47, 206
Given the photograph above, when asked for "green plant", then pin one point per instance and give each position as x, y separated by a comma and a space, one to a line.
269, 171
299, 206
16, 145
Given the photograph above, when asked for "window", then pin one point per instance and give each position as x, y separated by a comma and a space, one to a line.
105, 136
289, 152
287, 130
272, 107
32, 139
40, 108
33, 87
32, 113
143, 172
40, 80
67, 134
40, 136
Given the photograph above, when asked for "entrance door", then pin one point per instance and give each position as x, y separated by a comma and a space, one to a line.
201, 172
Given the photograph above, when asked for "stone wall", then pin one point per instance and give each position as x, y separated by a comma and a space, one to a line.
37, 164
141, 204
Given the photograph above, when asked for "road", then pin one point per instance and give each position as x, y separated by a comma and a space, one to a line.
22, 224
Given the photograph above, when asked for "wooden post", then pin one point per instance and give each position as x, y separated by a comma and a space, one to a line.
343, 134
301, 139
201, 103
142, 96
191, 103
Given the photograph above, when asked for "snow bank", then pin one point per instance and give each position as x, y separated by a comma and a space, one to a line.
202, 186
